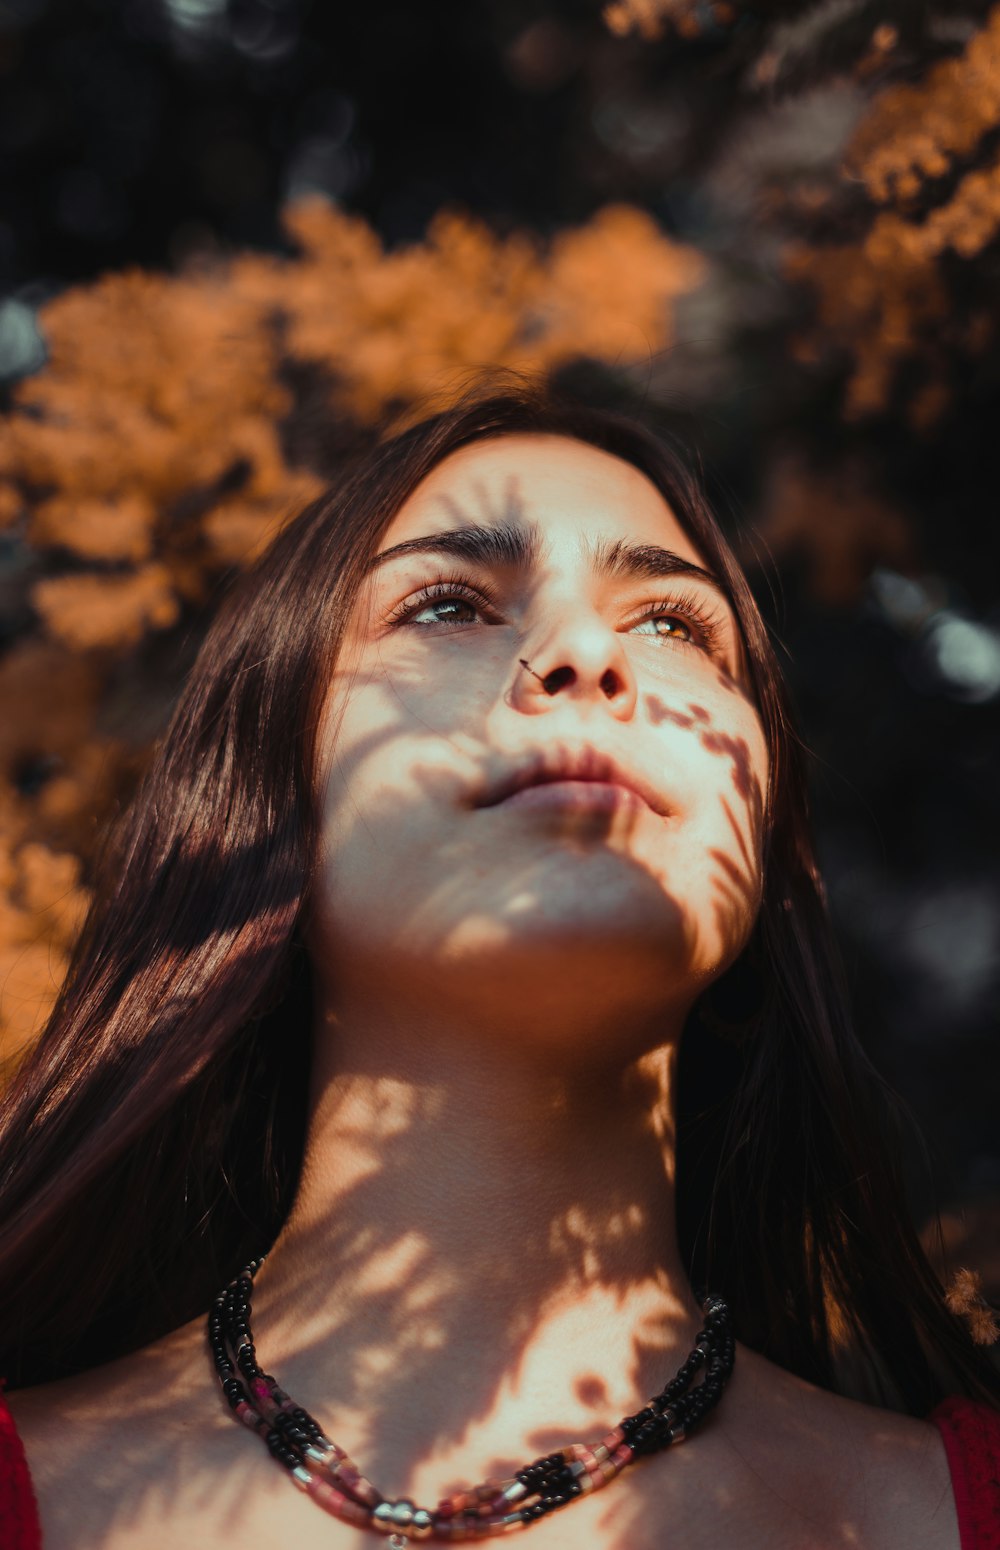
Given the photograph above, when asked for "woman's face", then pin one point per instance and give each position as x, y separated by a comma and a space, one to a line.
540, 768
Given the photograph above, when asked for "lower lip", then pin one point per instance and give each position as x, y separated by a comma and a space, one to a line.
577, 796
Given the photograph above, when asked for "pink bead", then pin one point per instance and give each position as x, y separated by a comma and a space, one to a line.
325, 1494
366, 1492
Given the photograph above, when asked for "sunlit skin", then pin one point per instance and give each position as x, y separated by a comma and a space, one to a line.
538, 919
492, 970
482, 1262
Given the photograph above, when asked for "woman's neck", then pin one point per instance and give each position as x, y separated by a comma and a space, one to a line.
482, 1261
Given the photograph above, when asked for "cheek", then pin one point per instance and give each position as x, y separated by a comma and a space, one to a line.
408, 690
720, 764
737, 821
736, 783
390, 777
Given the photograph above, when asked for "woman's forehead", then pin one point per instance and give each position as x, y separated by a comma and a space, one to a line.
567, 492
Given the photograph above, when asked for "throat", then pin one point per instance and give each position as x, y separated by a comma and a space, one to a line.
481, 1266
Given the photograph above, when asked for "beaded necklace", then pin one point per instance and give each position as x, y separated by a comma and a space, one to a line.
321, 1468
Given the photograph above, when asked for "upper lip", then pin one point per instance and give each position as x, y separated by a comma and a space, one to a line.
554, 764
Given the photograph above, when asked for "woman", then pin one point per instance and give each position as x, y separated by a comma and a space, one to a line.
481, 793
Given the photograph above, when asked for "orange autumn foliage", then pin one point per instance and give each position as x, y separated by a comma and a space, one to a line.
117, 529
160, 447
84, 612
651, 18
403, 326
882, 299
916, 131
57, 774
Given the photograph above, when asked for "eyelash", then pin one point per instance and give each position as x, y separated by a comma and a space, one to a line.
476, 593
706, 625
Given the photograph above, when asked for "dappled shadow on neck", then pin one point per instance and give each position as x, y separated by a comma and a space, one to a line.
419, 1326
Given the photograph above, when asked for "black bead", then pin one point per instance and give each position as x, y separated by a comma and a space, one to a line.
549, 1480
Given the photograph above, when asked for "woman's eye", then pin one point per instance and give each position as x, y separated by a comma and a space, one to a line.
666, 627
444, 610
444, 602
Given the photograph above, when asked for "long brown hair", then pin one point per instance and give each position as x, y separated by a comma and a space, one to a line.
151, 1141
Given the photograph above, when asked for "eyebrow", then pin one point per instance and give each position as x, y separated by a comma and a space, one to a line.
517, 547
503, 543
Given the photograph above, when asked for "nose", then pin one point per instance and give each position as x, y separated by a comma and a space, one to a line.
579, 658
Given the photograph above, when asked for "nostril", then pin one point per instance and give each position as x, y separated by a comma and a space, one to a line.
558, 679
609, 683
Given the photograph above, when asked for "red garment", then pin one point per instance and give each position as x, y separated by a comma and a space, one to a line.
970, 1432
971, 1437
19, 1525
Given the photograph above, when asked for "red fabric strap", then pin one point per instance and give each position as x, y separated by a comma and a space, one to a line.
19, 1525
971, 1436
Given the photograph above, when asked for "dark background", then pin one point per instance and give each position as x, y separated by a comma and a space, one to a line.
155, 132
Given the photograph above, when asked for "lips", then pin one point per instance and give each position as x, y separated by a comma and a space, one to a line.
562, 766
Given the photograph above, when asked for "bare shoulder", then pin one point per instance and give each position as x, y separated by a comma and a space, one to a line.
128, 1391
847, 1472
116, 1453
782, 1465
143, 1455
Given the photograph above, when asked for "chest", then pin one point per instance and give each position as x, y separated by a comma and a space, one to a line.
204, 1498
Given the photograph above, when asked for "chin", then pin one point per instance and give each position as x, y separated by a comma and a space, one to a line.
584, 959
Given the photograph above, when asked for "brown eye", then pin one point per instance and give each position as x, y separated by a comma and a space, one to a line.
666, 627
444, 610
